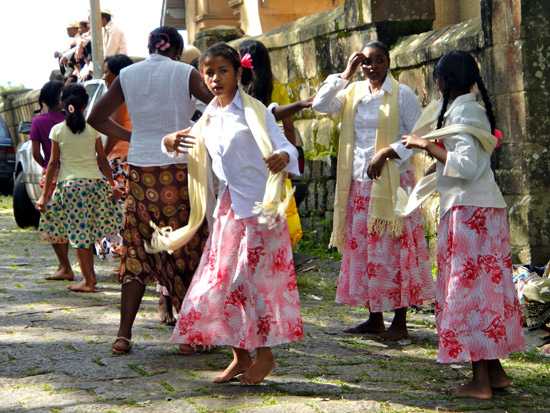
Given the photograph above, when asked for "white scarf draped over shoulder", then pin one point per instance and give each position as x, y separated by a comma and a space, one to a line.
272, 207
381, 215
406, 203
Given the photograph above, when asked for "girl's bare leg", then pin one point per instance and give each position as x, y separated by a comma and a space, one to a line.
262, 366
64, 271
241, 362
480, 386
498, 377
86, 260
398, 329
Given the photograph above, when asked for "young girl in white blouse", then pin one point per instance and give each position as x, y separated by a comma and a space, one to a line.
244, 292
477, 312
385, 262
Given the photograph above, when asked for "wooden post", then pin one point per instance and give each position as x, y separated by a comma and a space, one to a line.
97, 38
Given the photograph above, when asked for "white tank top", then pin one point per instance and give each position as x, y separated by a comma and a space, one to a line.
156, 91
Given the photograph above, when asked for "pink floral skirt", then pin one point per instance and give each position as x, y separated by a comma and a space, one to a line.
478, 314
380, 271
244, 293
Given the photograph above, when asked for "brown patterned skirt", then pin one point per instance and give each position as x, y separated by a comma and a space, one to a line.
159, 194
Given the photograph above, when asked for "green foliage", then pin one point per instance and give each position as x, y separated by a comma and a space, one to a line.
10, 87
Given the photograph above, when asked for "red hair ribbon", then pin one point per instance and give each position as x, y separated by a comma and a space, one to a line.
500, 136
246, 61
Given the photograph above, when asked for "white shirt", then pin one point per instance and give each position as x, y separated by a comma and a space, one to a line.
114, 41
466, 178
236, 158
330, 99
157, 94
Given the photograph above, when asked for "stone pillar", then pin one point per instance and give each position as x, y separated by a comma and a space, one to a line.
205, 14
520, 37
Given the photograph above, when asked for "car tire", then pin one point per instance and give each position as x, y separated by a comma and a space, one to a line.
24, 212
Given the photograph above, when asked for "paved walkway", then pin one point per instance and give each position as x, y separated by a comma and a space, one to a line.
55, 354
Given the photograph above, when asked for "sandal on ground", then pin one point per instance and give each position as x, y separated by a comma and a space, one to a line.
120, 350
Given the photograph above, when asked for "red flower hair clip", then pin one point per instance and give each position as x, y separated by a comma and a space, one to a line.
246, 61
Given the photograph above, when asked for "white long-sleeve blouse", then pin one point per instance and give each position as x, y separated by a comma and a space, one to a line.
330, 99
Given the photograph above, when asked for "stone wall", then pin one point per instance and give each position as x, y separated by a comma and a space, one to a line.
511, 40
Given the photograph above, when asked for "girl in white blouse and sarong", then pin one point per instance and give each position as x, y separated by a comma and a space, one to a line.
478, 315
244, 293
385, 262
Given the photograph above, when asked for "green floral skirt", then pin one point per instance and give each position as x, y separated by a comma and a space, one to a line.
81, 212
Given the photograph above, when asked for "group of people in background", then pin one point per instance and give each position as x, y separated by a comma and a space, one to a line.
75, 61
217, 179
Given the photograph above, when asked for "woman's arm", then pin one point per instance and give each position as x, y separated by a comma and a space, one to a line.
100, 119
198, 88
286, 111
37, 154
285, 155
51, 172
414, 142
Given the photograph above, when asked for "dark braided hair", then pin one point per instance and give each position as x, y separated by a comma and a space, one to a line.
257, 82
75, 95
459, 72
221, 49
165, 34
50, 94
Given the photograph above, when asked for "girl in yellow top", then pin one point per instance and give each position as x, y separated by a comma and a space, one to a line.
82, 209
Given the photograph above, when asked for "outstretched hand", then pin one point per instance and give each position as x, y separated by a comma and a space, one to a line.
414, 142
277, 162
180, 141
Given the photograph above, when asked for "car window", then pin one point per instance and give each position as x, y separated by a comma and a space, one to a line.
5, 138
91, 89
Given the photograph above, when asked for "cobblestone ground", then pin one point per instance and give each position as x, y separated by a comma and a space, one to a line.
55, 354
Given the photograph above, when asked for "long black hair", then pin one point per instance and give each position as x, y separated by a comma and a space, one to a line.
257, 82
75, 99
50, 94
459, 72
117, 62
162, 35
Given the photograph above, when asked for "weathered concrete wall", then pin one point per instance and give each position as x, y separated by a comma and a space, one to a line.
510, 40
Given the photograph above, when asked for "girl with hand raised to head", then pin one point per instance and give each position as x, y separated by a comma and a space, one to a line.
385, 260
244, 293
478, 315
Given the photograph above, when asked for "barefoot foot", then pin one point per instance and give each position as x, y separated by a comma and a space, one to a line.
474, 390
62, 274
82, 287
395, 334
235, 368
499, 379
368, 327
258, 371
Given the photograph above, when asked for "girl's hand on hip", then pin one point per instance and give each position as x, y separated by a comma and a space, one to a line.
414, 142
374, 169
277, 162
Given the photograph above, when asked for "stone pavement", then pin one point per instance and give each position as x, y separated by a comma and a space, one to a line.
55, 354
